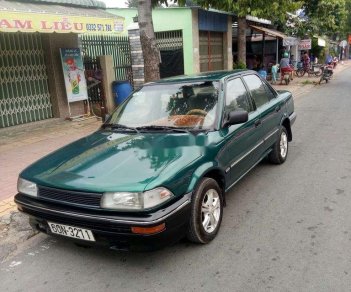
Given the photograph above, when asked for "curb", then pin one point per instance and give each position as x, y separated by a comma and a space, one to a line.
7, 206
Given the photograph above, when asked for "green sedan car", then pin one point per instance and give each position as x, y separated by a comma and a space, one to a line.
159, 167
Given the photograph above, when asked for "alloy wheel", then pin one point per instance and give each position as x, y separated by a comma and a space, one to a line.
283, 145
210, 210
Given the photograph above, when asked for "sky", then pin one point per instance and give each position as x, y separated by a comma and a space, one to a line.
115, 3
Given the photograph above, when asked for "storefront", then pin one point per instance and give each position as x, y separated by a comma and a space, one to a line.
31, 79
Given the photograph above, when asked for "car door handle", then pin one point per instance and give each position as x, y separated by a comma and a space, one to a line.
278, 108
257, 123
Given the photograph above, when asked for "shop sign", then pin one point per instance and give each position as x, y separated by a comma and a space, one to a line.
73, 73
305, 44
36, 22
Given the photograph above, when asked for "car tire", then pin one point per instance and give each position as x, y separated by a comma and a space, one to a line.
206, 211
280, 148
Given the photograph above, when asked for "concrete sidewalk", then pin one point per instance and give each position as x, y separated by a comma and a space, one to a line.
302, 85
22, 145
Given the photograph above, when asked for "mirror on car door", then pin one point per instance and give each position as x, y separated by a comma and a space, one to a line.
236, 117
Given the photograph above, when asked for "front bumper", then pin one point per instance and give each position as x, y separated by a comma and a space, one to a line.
112, 229
292, 118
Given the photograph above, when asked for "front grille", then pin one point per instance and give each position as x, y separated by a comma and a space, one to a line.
83, 223
82, 199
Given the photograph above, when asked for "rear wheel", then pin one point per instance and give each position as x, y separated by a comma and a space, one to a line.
287, 80
319, 72
206, 212
280, 148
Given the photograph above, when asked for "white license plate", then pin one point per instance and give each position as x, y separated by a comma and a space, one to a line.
71, 231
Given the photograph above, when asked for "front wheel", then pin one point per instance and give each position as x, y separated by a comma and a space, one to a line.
321, 79
206, 211
280, 148
300, 72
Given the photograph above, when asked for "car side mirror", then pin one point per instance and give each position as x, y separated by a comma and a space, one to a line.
236, 117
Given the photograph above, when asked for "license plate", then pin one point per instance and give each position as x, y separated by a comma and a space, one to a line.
71, 231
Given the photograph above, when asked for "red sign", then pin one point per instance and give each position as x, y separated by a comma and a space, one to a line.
350, 39
305, 44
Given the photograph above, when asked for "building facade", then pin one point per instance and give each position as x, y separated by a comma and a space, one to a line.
32, 85
204, 36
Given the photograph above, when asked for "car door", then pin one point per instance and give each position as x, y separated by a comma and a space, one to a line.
275, 111
241, 141
268, 109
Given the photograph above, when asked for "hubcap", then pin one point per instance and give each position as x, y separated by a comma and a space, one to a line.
210, 210
283, 145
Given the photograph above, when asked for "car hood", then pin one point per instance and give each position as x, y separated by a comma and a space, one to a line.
110, 161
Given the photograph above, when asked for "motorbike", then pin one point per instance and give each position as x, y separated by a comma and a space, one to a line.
335, 61
327, 73
286, 75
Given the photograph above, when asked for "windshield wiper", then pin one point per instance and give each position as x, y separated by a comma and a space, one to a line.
164, 128
119, 126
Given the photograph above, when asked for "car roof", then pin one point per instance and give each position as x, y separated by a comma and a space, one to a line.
204, 76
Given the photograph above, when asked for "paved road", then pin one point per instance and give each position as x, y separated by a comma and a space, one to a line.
286, 228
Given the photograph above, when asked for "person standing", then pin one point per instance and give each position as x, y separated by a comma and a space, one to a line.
306, 62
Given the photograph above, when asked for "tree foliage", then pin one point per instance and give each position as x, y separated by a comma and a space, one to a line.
347, 24
318, 17
131, 3
273, 10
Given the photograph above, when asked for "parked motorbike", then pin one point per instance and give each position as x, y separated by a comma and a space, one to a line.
327, 73
335, 61
314, 70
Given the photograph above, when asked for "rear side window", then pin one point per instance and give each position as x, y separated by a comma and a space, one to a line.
236, 96
257, 90
270, 92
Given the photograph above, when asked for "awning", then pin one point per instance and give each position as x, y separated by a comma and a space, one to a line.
269, 31
48, 18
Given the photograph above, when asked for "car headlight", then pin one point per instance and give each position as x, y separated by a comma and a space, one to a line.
135, 201
27, 187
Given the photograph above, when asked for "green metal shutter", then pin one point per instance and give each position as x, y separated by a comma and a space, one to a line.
24, 93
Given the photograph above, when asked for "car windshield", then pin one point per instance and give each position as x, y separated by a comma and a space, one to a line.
176, 105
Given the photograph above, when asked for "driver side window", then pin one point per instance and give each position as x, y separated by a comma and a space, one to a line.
236, 96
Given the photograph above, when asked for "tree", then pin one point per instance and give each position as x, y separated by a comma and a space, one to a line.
273, 10
347, 24
131, 3
325, 17
151, 53
318, 17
